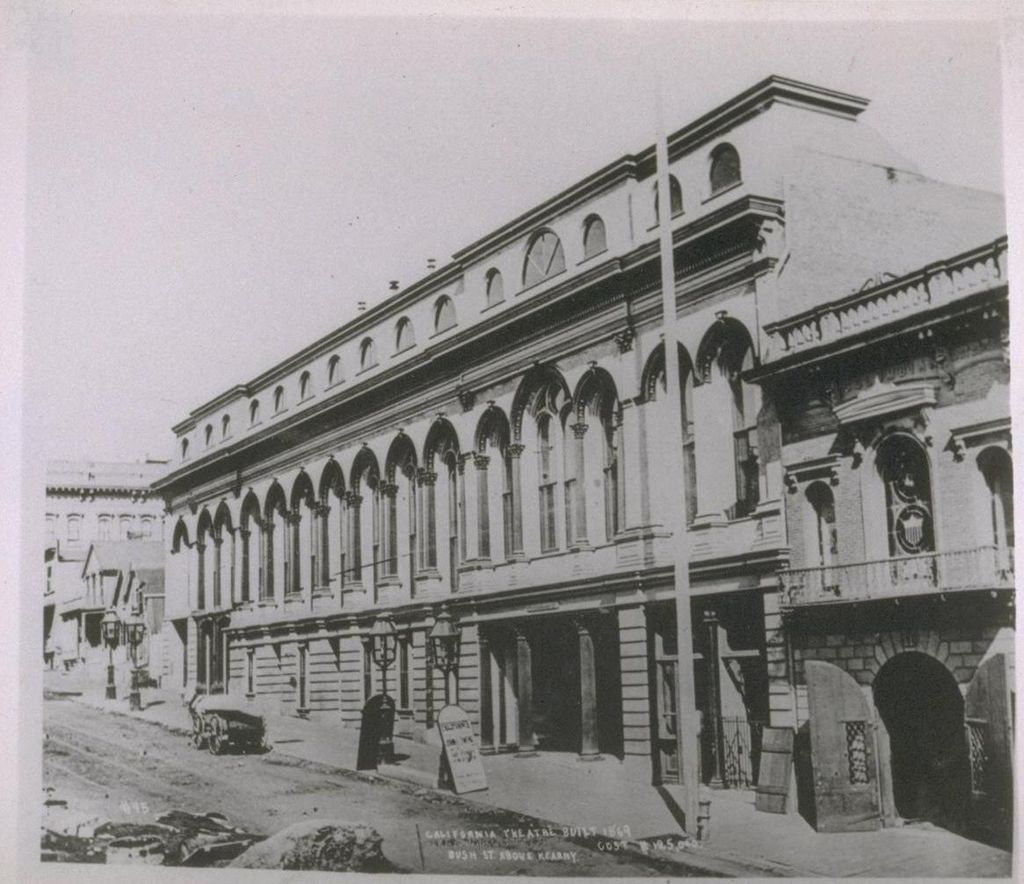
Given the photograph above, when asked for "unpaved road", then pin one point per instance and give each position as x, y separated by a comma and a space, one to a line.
119, 768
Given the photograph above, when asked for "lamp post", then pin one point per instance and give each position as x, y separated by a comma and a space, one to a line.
109, 624
135, 629
444, 638
384, 650
384, 647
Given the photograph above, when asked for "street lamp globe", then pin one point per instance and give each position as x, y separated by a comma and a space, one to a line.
444, 638
135, 629
383, 641
109, 624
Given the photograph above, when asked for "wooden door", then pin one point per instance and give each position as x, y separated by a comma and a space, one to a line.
988, 730
843, 754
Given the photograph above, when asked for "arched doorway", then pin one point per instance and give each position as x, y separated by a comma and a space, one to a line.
923, 712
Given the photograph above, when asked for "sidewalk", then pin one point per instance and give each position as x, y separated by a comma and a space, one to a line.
557, 787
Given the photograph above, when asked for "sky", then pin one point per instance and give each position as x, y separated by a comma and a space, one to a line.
208, 193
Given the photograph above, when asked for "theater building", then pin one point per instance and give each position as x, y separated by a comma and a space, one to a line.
486, 442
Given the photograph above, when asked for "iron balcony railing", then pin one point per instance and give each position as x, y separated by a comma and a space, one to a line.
985, 567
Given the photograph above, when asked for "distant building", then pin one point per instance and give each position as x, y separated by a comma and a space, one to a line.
488, 442
86, 502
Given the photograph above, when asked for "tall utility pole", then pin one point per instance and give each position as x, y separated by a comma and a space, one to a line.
671, 457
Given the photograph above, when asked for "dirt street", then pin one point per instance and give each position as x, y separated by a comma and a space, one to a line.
112, 767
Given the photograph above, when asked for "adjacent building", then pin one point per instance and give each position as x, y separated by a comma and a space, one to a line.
486, 442
88, 502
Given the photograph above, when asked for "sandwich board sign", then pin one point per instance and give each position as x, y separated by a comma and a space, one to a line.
461, 752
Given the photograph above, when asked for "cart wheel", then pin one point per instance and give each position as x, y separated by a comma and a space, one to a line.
216, 746
197, 739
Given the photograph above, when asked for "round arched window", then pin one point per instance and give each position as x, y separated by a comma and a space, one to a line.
544, 258
725, 167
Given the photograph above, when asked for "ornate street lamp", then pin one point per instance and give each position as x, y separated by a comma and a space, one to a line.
109, 624
136, 629
384, 646
444, 639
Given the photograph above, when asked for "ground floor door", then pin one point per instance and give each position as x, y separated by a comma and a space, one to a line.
843, 758
922, 709
211, 657
988, 729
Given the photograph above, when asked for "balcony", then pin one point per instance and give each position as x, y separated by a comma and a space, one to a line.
986, 567
934, 286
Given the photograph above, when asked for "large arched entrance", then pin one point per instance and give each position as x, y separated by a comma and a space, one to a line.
923, 712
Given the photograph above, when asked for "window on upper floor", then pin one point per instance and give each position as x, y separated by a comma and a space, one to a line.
823, 537
675, 196
74, 528
495, 287
254, 412
225, 426
124, 528
333, 370
544, 258
208, 435
367, 354
594, 241
903, 468
725, 167
996, 468
444, 314
105, 531
147, 528
304, 386
51, 530
405, 337
278, 400
184, 449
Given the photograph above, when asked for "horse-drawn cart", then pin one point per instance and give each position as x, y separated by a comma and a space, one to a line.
220, 722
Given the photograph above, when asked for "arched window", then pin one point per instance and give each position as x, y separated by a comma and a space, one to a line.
225, 426
546, 483
404, 336
254, 412
996, 469
184, 449
106, 527
675, 197
367, 354
495, 287
278, 400
208, 435
544, 258
333, 370
304, 386
124, 528
725, 167
903, 467
594, 241
444, 314
823, 537
744, 427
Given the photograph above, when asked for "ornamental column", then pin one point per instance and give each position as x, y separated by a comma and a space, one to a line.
244, 588
515, 453
323, 579
524, 694
579, 501
353, 503
713, 716
588, 693
486, 703
483, 507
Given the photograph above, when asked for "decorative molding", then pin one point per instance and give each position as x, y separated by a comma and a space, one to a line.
883, 400
624, 339
995, 431
466, 397
826, 467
